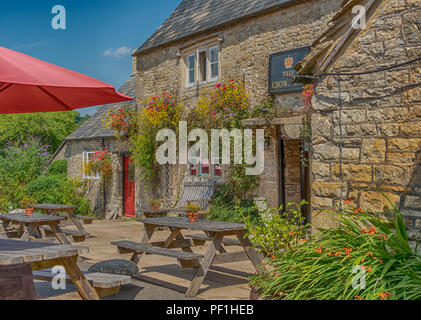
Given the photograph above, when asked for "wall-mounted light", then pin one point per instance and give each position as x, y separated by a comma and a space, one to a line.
221, 39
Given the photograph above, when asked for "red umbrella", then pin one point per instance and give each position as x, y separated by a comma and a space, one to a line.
31, 85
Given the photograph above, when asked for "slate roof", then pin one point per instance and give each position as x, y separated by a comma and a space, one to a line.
93, 127
195, 16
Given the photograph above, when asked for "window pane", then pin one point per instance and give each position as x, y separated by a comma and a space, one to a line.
214, 70
202, 66
190, 69
191, 76
193, 170
218, 171
191, 62
213, 55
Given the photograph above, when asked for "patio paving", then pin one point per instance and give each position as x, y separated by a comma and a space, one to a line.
160, 277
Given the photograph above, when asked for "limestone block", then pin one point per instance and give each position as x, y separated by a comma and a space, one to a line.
388, 174
354, 172
319, 202
412, 201
328, 189
320, 170
400, 157
377, 202
404, 144
373, 150
411, 128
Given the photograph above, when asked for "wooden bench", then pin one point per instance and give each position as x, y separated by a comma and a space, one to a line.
85, 219
203, 237
105, 284
185, 259
78, 236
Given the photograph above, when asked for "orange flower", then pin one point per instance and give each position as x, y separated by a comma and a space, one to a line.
370, 253
362, 260
359, 298
381, 261
303, 240
319, 250
369, 269
291, 233
384, 295
348, 250
358, 210
347, 201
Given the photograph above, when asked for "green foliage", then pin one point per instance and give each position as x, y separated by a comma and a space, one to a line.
57, 167
323, 267
275, 231
57, 188
20, 163
224, 208
50, 127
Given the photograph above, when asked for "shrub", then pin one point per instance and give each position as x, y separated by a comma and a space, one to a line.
20, 163
61, 190
273, 231
224, 208
324, 267
57, 167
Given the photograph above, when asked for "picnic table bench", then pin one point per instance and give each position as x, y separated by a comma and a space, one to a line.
214, 233
105, 284
41, 255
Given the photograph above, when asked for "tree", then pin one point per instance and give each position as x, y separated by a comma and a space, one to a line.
50, 127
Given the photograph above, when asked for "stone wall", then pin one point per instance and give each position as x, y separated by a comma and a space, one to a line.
381, 120
244, 54
73, 151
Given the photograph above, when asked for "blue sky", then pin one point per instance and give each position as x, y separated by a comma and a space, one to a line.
97, 36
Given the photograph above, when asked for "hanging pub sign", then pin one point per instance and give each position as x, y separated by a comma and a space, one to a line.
282, 72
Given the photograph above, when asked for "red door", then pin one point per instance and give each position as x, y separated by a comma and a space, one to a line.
129, 174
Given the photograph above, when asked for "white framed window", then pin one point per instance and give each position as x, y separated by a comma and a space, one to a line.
87, 156
213, 63
202, 66
191, 66
204, 169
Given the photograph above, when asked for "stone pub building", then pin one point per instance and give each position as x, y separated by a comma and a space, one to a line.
364, 133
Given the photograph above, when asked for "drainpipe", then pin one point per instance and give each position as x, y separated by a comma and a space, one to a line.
104, 193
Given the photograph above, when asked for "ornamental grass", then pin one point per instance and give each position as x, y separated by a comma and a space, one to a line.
366, 257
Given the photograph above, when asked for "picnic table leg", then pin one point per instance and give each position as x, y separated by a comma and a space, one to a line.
28, 231
86, 291
3, 228
203, 268
76, 221
149, 230
172, 237
250, 252
62, 238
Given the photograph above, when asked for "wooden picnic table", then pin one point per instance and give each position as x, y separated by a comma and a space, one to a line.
43, 255
163, 212
214, 231
55, 209
29, 226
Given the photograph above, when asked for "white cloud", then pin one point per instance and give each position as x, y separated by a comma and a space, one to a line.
117, 53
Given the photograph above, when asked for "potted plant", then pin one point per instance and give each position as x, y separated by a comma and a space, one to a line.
192, 211
27, 203
154, 203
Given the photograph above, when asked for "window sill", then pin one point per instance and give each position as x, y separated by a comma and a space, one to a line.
202, 85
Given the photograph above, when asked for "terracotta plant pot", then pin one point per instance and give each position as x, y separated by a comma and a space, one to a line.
192, 216
155, 206
29, 211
